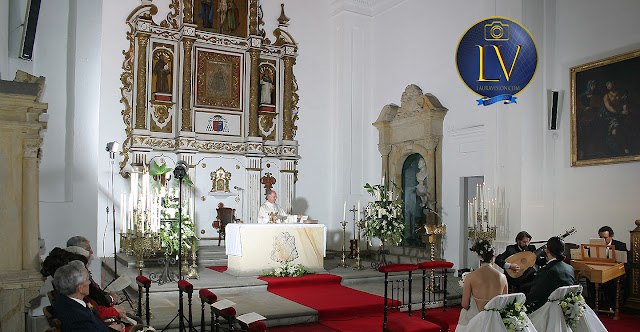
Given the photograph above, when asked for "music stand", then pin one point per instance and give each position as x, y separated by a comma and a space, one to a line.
179, 173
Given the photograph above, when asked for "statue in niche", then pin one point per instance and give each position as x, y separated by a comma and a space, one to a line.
267, 87
162, 72
421, 187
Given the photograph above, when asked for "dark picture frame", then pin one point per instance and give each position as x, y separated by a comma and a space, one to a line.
605, 111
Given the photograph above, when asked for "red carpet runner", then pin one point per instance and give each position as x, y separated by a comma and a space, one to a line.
324, 293
218, 268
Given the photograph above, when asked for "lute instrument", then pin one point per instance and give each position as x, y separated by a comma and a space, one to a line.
527, 259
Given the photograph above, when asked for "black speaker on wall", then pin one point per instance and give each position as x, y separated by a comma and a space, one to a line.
29, 32
553, 110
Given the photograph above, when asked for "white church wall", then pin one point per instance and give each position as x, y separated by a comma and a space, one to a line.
592, 196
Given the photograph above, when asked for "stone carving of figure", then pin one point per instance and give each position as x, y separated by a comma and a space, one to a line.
421, 187
267, 88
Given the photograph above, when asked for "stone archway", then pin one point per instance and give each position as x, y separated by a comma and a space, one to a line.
414, 127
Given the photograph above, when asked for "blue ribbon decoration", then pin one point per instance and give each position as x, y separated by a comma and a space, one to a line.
488, 101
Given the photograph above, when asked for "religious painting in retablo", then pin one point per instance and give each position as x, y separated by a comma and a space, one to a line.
162, 74
218, 81
227, 17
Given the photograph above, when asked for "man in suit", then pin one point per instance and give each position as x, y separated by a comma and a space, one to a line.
522, 284
72, 283
556, 273
609, 287
95, 292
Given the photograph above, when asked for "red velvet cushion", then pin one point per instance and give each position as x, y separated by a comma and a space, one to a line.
258, 326
185, 286
143, 281
228, 312
410, 324
207, 296
435, 265
397, 268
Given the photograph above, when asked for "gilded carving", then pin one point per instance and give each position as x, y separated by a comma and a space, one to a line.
171, 20
150, 142
221, 40
141, 86
294, 106
253, 97
268, 126
288, 90
186, 86
161, 117
220, 179
164, 33
253, 17
188, 11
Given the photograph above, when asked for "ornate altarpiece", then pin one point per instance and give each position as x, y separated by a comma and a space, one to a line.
414, 127
205, 85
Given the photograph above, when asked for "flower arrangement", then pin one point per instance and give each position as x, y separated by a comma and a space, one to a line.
514, 316
288, 270
169, 228
383, 217
573, 307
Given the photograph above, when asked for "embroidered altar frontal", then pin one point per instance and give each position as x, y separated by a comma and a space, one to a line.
256, 248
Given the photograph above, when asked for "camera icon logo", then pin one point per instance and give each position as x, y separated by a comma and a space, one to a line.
496, 31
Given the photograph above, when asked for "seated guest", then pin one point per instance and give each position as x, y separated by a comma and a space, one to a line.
100, 296
556, 273
523, 283
61, 257
481, 285
72, 283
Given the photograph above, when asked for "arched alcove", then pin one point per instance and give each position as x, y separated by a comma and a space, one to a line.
412, 130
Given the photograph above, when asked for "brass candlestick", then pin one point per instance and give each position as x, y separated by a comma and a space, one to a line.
343, 262
358, 265
193, 269
433, 231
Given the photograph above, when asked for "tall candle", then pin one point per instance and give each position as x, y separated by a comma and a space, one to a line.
358, 218
344, 211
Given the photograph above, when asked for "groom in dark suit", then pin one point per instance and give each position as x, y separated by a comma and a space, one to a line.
556, 273
72, 284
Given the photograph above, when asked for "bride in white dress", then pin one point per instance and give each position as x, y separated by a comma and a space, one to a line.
481, 285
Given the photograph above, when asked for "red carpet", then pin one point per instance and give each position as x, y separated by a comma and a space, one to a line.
324, 293
219, 268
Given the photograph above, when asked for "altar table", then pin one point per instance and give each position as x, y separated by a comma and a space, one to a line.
256, 248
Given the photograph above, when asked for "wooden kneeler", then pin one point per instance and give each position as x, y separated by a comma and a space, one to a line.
185, 287
400, 292
257, 326
206, 296
426, 268
145, 282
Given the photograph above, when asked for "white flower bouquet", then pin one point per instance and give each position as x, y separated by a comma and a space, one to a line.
514, 317
383, 217
288, 270
573, 307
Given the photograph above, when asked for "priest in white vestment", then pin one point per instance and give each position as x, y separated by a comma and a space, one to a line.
270, 210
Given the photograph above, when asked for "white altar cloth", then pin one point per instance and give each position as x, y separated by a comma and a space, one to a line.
250, 247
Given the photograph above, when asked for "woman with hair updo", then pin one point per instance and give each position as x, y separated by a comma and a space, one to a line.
481, 285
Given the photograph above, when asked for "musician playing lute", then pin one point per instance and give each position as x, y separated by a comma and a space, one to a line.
523, 282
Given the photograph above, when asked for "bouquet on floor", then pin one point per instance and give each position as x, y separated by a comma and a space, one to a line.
514, 317
288, 270
573, 307
383, 217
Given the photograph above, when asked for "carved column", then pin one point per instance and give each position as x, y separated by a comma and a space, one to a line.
287, 127
20, 129
141, 88
186, 86
253, 93
188, 11
633, 302
254, 197
287, 184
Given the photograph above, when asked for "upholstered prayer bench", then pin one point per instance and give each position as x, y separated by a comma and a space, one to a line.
433, 287
207, 297
143, 282
257, 326
229, 314
185, 287
398, 279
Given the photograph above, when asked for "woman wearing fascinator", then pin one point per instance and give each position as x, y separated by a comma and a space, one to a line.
481, 285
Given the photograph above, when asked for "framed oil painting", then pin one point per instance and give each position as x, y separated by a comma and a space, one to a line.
605, 111
227, 17
218, 80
